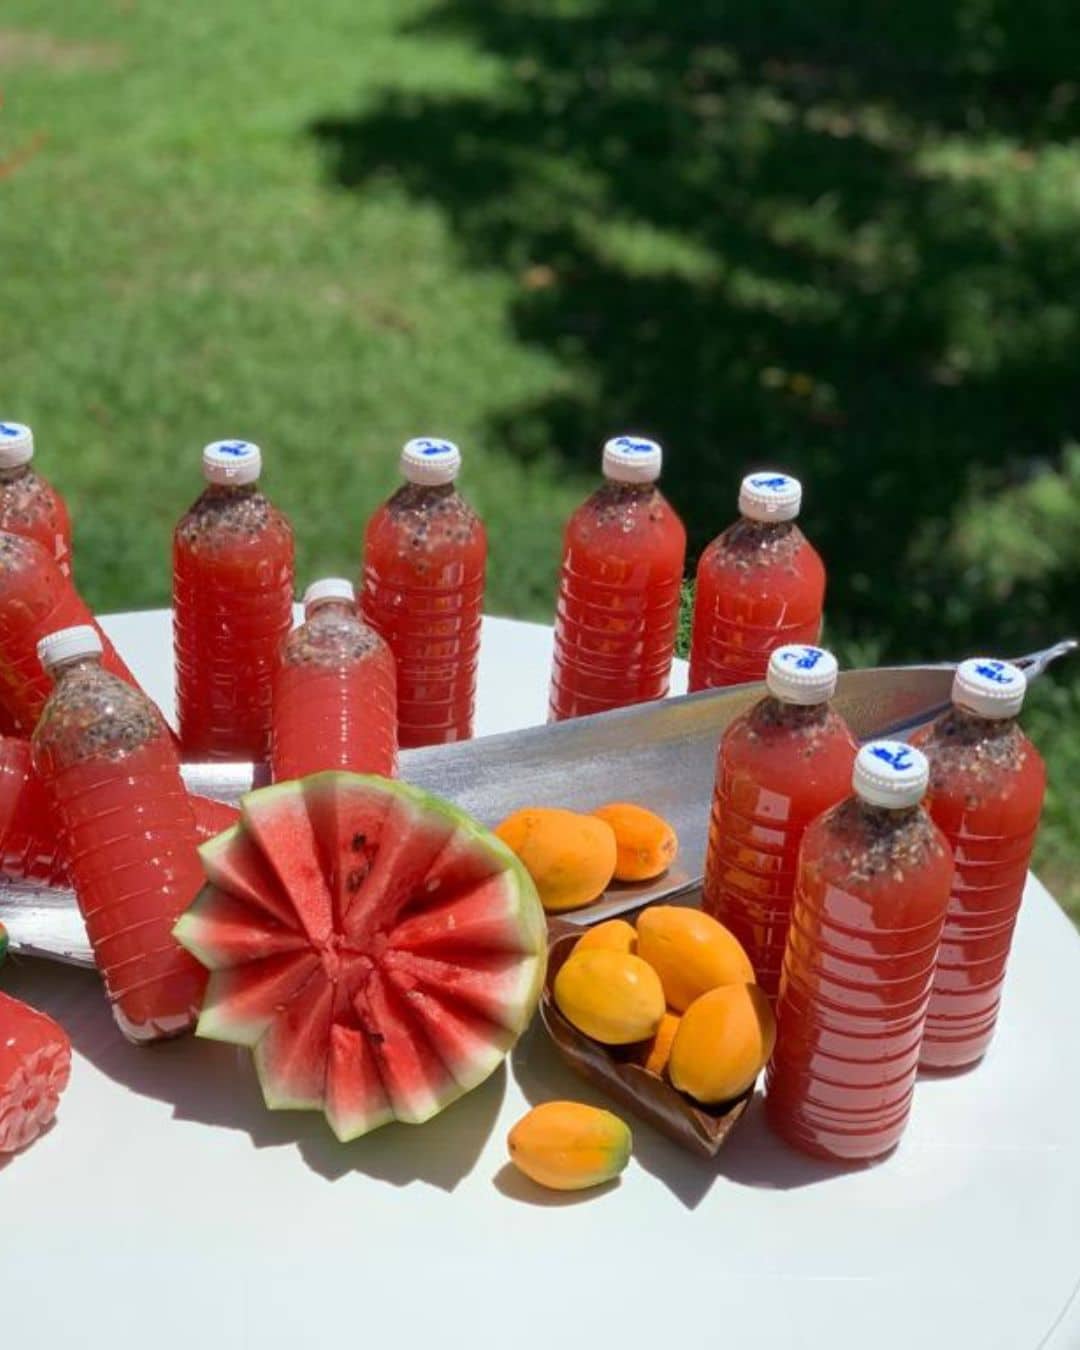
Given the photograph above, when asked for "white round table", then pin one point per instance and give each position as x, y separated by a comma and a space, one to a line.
168, 1209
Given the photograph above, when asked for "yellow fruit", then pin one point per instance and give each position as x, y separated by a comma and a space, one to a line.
691, 953
569, 1146
571, 857
724, 1039
655, 1055
611, 996
616, 935
646, 844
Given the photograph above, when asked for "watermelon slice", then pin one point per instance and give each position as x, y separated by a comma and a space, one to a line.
378, 950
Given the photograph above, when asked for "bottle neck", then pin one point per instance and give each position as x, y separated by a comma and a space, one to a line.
429, 489
632, 489
773, 711
330, 609
888, 817
231, 491
61, 670
968, 728
12, 473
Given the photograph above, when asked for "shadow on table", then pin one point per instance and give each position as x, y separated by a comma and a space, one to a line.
753, 1155
543, 1077
215, 1084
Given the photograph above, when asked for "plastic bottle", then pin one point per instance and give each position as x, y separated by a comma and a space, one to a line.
36, 598
778, 767
29, 845
617, 611
422, 590
870, 901
987, 783
29, 505
760, 585
35, 1065
334, 691
112, 776
232, 608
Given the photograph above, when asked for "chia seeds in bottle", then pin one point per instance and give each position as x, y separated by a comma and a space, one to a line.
111, 773
29, 504
760, 585
422, 590
617, 610
987, 783
37, 598
232, 608
866, 921
778, 767
334, 691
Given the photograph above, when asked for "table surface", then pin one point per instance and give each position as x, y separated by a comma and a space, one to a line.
168, 1208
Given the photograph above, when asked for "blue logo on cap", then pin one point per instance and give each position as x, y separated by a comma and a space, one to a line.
995, 671
634, 446
807, 659
898, 759
430, 447
238, 449
8, 430
775, 483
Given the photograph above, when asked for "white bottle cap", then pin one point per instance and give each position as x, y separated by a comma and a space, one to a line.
16, 444
989, 688
801, 674
232, 462
67, 644
329, 588
632, 459
430, 461
770, 496
890, 773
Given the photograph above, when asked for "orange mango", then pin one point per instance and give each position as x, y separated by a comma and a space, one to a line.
615, 935
691, 952
611, 996
656, 1053
645, 843
724, 1039
569, 1146
570, 857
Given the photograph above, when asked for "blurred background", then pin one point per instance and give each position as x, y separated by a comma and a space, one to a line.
837, 238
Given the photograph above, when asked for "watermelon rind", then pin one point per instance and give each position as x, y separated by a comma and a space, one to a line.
308, 976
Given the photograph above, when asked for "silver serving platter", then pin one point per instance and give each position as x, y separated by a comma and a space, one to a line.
661, 754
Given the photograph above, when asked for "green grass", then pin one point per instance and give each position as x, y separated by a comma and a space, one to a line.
835, 238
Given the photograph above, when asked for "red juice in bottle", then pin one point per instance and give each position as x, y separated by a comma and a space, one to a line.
425, 555
232, 608
29, 504
779, 766
335, 703
986, 792
866, 920
617, 610
211, 817
29, 846
760, 585
35, 1065
127, 830
37, 598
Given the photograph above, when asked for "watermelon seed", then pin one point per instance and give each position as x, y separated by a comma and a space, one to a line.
356, 878
358, 842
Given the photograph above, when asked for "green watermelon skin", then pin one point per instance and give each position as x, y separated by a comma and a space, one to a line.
377, 949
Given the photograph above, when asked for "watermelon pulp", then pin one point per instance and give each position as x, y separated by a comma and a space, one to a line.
378, 950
